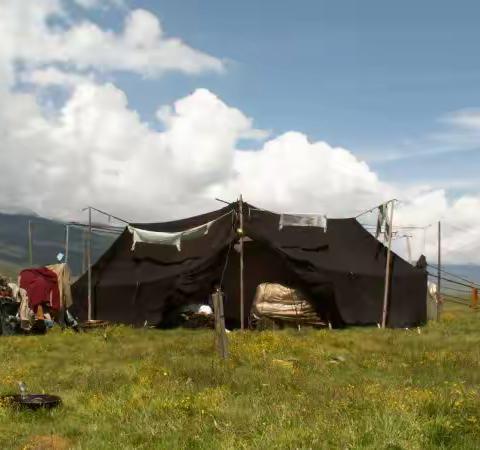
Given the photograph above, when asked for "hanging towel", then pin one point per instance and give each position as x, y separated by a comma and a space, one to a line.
162, 238
382, 219
302, 220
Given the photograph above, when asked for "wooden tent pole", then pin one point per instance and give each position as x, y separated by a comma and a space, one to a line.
89, 263
387, 269
439, 268
30, 244
242, 299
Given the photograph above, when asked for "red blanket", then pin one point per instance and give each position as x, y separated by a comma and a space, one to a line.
42, 287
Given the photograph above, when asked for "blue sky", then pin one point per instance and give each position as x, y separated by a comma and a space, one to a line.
373, 76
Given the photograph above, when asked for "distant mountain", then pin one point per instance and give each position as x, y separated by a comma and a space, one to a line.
48, 239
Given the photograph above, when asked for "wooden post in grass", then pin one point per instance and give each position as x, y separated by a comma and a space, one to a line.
387, 269
242, 299
474, 304
220, 333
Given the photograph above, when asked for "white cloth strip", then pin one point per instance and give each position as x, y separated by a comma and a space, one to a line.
175, 239
302, 220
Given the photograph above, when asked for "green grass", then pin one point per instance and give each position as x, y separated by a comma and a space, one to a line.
353, 388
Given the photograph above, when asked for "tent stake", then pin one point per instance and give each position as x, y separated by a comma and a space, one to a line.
387, 270
242, 304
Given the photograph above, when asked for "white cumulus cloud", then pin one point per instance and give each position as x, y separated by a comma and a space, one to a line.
96, 150
141, 47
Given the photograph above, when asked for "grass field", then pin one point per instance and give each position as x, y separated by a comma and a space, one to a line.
149, 389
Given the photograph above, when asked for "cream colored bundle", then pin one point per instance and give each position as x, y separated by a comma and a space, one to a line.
278, 302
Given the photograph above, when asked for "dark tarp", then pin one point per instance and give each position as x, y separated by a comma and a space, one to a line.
341, 270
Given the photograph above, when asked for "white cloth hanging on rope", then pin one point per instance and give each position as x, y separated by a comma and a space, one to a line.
175, 239
302, 220
163, 238
382, 219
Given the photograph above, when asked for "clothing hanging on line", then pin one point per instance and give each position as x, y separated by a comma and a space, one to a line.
382, 219
175, 239
302, 220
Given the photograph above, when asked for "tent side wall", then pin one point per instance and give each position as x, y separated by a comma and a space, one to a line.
345, 268
144, 285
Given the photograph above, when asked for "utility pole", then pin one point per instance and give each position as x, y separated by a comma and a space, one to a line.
439, 267
387, 269
89, 262
30, 244
242, 304
84, 251
67, 237
409, 249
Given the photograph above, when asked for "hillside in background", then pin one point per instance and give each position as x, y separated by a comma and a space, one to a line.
48, 239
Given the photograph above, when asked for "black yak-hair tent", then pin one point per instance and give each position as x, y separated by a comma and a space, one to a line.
340, 268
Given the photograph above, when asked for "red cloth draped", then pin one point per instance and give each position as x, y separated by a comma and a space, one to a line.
41, 285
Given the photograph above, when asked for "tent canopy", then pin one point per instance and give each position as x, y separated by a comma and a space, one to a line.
340, 269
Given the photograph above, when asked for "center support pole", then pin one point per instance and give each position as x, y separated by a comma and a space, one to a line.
387, 269
242, 298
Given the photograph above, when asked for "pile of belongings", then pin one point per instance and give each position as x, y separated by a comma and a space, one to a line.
8, 308
276, 305
190, 316
197, 316
41, 297
14, 307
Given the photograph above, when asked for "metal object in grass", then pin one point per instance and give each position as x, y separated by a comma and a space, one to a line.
23, 390
31, 401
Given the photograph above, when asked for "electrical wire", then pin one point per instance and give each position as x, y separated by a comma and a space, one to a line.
454, 275
461, 291
460, 302
451, 281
